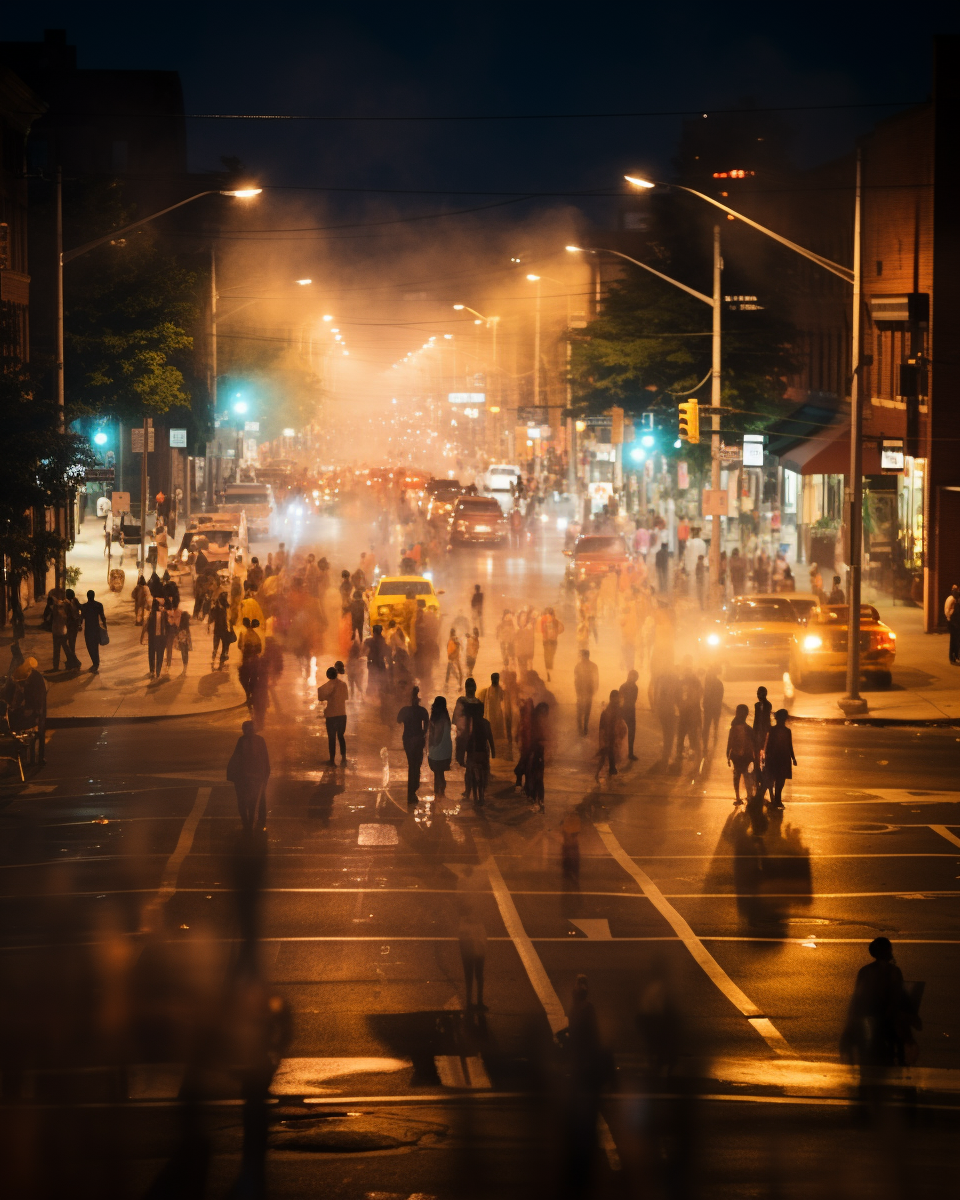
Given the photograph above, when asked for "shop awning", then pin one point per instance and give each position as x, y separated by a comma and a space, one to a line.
831, 455
815, 440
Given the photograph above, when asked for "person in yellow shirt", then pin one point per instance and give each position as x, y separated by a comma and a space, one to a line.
453, 660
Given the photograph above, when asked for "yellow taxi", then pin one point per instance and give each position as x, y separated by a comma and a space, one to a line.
389, 595
820, 645
756, 629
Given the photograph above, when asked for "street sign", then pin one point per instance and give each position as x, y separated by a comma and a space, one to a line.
120, 502
535, 416
891, 458
136, 440
99, 475
730, 454
178, 439
715, 503
752, 450
251, 427
466, 397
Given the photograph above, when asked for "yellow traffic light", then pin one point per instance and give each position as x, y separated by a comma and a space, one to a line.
690, 422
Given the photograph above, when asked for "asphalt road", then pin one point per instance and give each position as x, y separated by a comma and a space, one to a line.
732, 949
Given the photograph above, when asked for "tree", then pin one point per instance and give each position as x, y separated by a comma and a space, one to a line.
651, 346
129, 310
42, 468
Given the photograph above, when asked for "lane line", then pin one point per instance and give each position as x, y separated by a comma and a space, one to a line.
701, 955
536, 973
151, 915
945, 833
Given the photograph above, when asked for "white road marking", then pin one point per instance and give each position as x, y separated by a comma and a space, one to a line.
945, 833
149, 919
378, 835
774, 1039
539, 979
598, 930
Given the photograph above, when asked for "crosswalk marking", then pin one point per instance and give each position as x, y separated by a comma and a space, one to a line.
149, 918
701, 955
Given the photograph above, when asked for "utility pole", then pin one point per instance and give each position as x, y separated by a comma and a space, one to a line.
60, 511
208, 481
853, 702
715, 419
147, 429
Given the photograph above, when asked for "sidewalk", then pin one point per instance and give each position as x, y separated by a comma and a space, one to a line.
926, 688
123, 690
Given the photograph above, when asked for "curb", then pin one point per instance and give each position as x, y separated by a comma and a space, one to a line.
91, 722
880, 722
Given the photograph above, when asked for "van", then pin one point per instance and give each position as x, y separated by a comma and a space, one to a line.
255, 500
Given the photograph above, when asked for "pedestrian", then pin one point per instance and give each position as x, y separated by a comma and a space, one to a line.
476, 607
141, 598
629, 694
524, 644
466, 706
738, 572
59, 630
154, 632
550, 630
439, 744
611, 730
355, 664
471, 934
346, 591
498, 709
586, 681
184, 640
507, 636
951, 610
536, 756
882, 1015
836, 592
690, 712
665, 694
358, 613
453, 660
334, 694
683, 536
377, 654
74, 623
762, 712
414, 719
223, 635
249, 770
472, 649
662, 562
160, 537
255, 574
741, 752
94, 629
712, 704
700, 576
778, 759
25, 694
173, 614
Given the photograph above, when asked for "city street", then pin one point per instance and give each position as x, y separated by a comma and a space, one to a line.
729, 948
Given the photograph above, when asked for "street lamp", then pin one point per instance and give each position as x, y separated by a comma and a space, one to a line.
852, 703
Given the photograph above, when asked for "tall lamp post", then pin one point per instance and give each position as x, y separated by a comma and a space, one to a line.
492, 323
852, 703
65, 256
714, 302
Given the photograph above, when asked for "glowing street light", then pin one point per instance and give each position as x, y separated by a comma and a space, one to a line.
303, 282
100, 438
242, 193
327, 317
638, 182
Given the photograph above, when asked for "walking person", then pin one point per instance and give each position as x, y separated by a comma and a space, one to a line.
480, 748
497, 708
59, 628
94, 629
778, 759
550, 630
662, 562
665, 694
184, 640
439, 745
223, 635
472, 649
586, 681
611, 730
700, 576
141, 600
712, 705
249, 770
738, 572
154, 632
524, 644
536, 757
74, 625
334, 695
836, 592
741, 752
690, 713
453, 660
174, 612
629, 694
472, 936
951, 610
881, 1018
476, 607
507, 637
762, 711
414, 719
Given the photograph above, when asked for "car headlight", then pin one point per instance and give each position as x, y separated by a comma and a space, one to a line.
713, 639
812, 642
461, 526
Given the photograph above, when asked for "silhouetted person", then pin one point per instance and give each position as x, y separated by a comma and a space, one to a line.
666, 694
740, 751
334, 692
712, 704
414, 719
94, 624
586, 681
762, 712
778, 758
629, 693
882, 1015
472, 936
248, 770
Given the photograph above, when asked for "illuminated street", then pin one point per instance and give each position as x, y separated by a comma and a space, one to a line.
479, 603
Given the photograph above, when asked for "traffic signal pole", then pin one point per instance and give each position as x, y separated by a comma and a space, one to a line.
715, 423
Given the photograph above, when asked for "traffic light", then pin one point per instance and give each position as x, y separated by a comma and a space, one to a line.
690, 422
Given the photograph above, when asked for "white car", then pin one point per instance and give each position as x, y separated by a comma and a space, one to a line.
498, 480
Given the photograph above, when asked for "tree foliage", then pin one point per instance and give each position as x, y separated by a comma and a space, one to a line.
130, 308
651, 346
41, 470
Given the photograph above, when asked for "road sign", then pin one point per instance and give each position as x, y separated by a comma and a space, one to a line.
136, 440
178, 439
752, 453
251, 427
730, 454
534, 416
466, 397
99, 475
715, 503
120, 502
